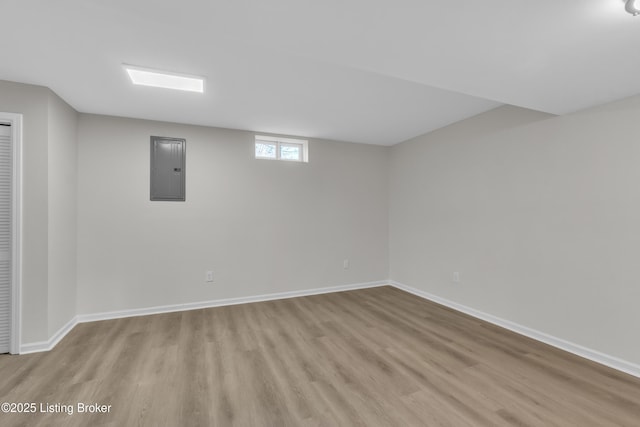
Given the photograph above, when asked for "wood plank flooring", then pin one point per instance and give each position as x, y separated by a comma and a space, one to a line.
373, 357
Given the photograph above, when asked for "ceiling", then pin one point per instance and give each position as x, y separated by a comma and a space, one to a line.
371, 71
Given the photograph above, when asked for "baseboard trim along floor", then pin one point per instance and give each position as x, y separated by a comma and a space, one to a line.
587, 353
593, 355
81, 318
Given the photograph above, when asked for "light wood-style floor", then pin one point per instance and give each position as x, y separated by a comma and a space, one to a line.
373, 357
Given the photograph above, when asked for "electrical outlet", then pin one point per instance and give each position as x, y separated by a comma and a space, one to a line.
345, 263
208, 276
456, 277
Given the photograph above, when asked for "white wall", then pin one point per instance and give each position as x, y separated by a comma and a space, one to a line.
62, 189
261, 226
32, 102
539, 214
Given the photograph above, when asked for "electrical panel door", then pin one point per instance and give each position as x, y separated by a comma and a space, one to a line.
168, 169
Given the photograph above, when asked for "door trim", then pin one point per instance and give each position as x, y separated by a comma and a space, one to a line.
16, 230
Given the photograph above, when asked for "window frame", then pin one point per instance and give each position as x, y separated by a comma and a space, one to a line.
286, 142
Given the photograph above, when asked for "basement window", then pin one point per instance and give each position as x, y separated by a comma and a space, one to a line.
286, 149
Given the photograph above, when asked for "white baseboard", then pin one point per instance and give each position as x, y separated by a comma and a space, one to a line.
36, 347
596, 356
587, 353
223, 302
81, 318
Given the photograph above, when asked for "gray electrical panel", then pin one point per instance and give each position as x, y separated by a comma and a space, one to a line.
168, 169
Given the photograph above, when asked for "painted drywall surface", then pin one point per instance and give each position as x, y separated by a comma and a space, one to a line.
31, 102
62, 173
539, 214
261, 226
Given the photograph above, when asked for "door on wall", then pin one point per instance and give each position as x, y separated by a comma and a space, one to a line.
6, 174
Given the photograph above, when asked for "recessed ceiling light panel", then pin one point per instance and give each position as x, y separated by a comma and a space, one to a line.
164, 79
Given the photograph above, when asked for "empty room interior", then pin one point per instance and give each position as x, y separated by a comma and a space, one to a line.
296, 213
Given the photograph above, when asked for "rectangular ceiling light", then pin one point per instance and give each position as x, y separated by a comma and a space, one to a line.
164, 79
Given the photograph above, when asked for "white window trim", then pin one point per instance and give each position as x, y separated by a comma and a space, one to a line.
303, 143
